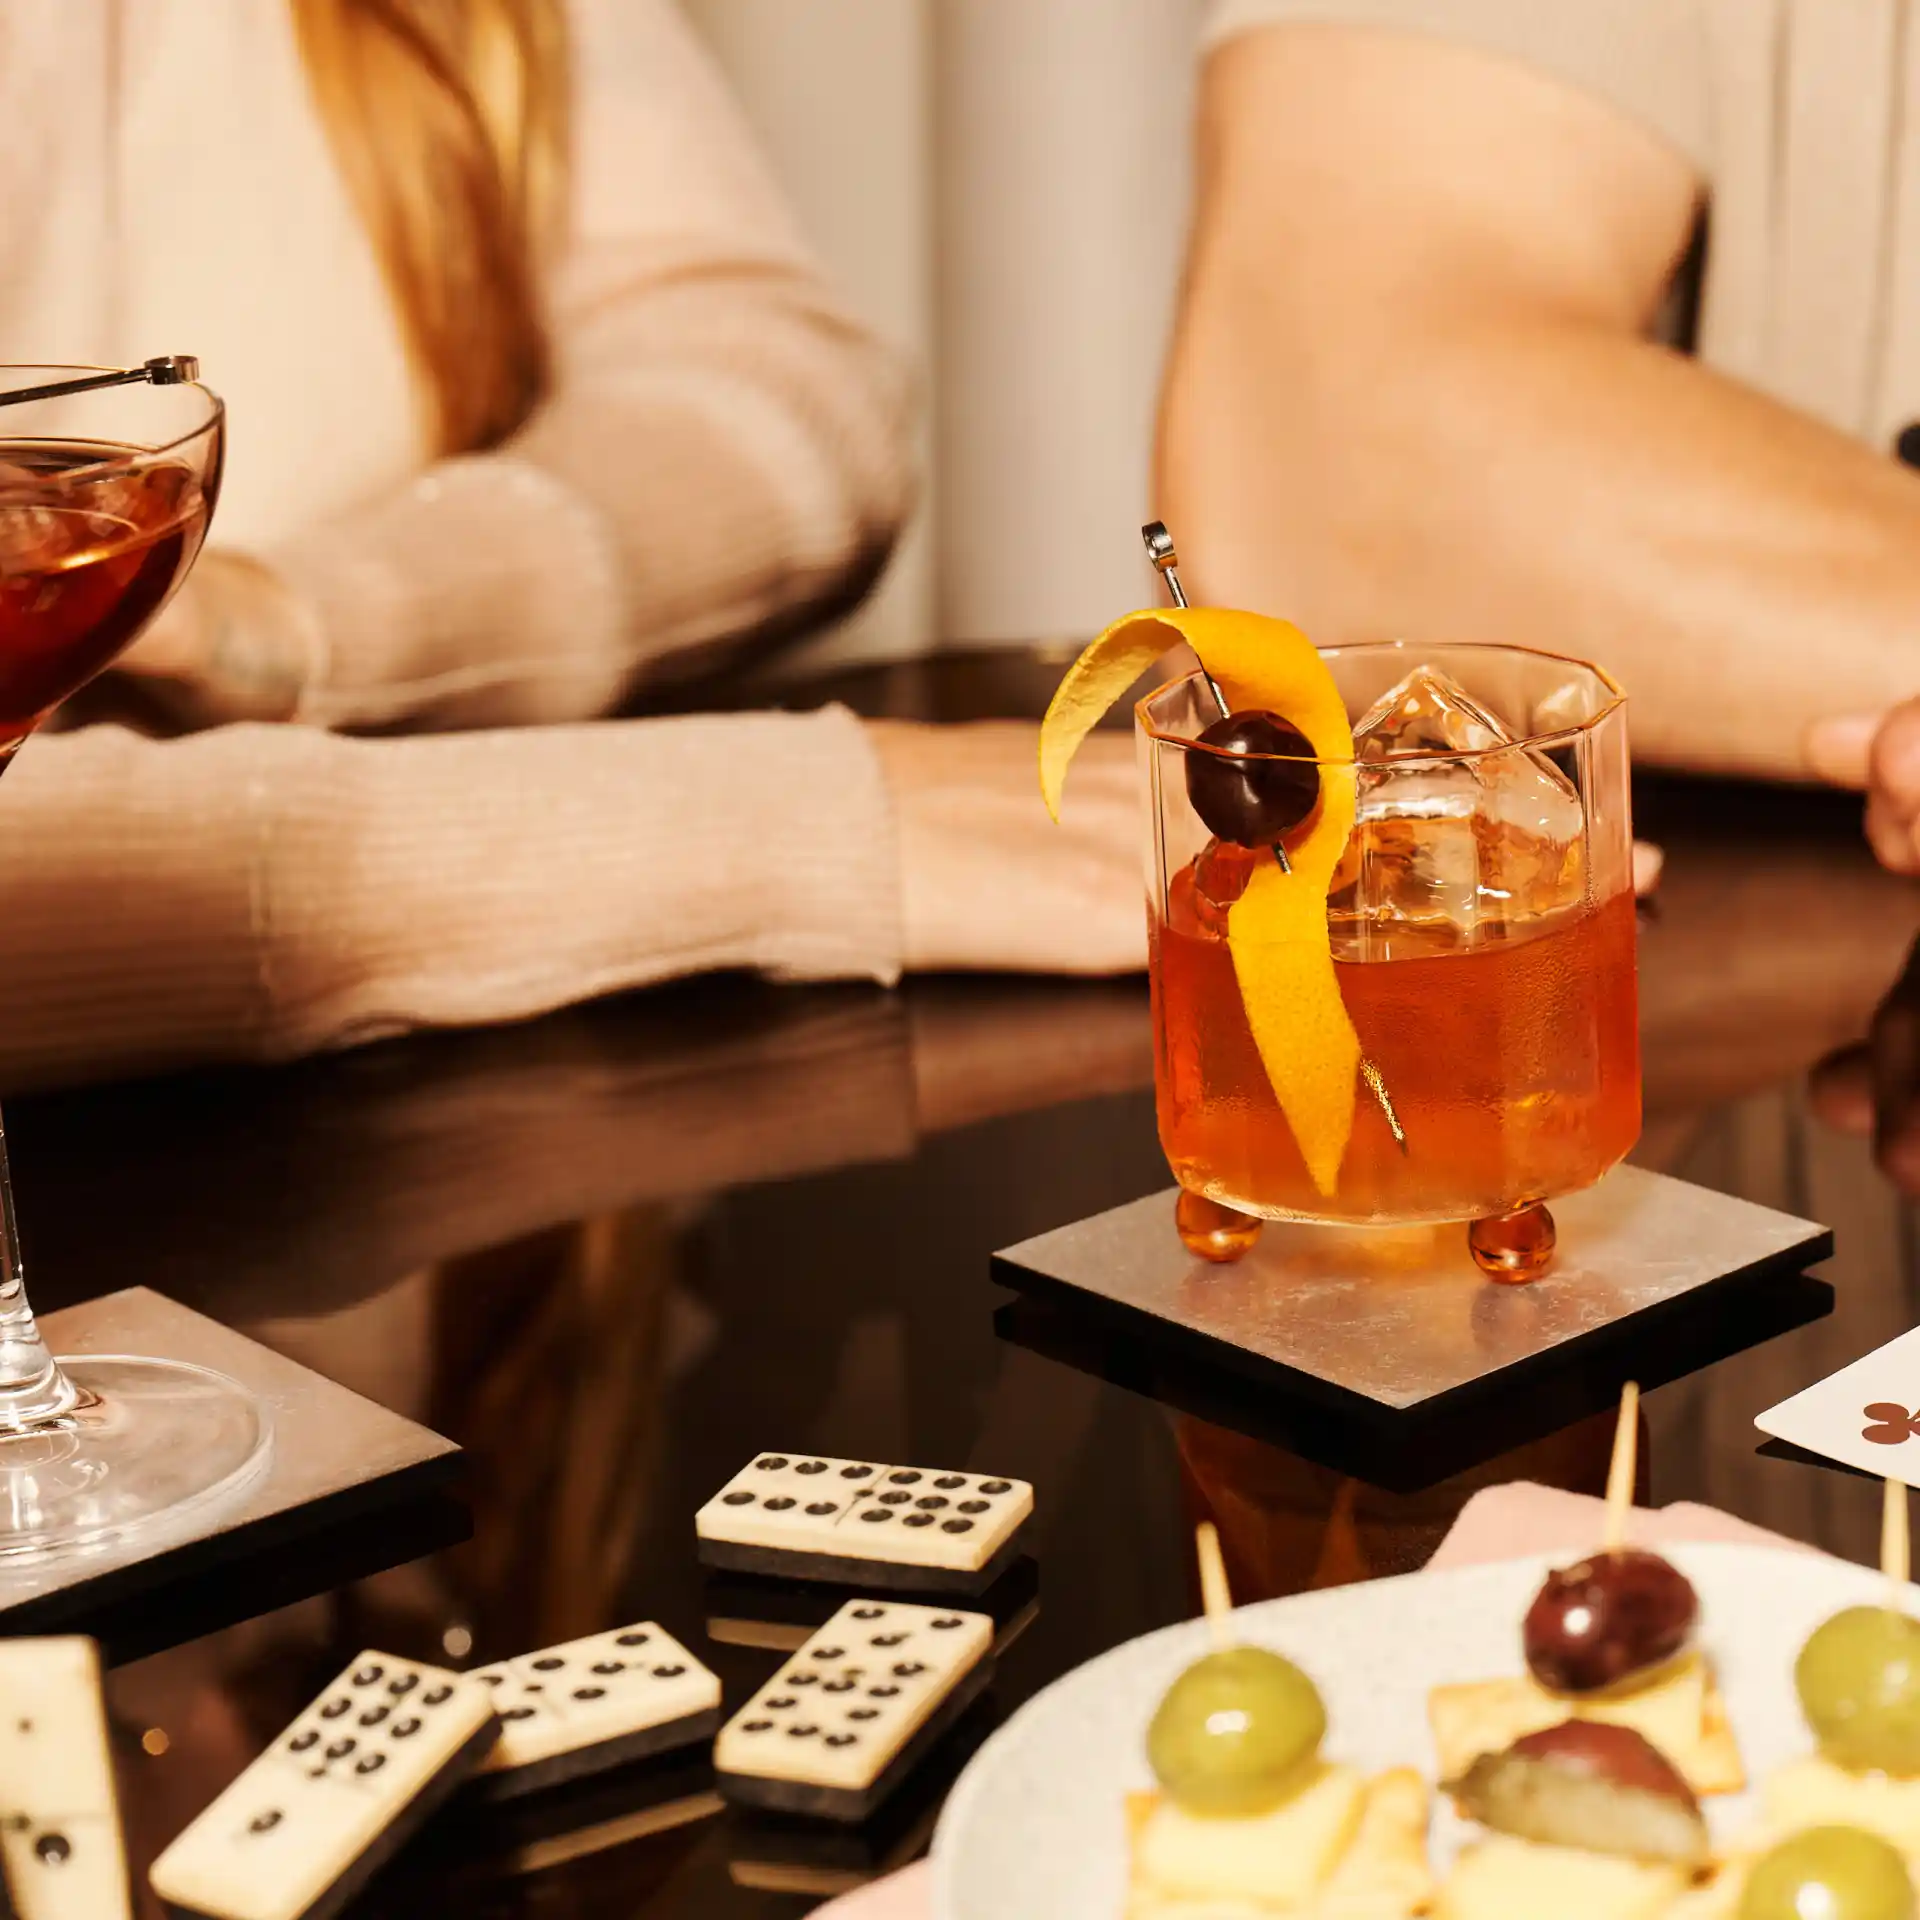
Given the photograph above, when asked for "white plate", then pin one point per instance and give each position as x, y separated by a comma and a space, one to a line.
1033, 1830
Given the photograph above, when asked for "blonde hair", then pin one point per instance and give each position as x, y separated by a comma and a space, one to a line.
449, 120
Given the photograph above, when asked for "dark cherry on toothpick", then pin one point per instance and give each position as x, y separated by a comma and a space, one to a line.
1252, 801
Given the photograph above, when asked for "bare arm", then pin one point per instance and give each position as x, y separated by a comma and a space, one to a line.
1413, 391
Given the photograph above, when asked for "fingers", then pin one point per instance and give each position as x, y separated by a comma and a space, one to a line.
1840, 750
1881, 754
1840, 1090
1893, 795
1647, 862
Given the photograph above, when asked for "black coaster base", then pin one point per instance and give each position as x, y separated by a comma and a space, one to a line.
1385, 1353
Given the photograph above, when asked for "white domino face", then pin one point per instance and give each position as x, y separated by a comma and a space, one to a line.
861, 1510
853, 1696
324, 1792
591, 1691
61, 1830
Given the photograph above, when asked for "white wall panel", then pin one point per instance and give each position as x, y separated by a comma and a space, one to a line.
1001, 186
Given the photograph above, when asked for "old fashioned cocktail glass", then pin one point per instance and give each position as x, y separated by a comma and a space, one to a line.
1482, 927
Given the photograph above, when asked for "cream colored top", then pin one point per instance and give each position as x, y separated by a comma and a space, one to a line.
724, 449
1803, 120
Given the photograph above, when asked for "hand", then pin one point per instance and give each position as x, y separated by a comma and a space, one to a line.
988, 881
232, 644
1882, 754
1873, 1088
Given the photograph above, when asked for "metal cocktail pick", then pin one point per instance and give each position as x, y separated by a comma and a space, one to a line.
1165, 560
1159, 545
168, 370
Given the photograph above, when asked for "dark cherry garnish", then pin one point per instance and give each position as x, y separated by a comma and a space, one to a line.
1589, 1785
1607, 1620
1252, 802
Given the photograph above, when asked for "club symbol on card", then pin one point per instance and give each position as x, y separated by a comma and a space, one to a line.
1892, 1423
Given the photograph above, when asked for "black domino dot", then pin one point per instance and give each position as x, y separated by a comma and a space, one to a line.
876, 1514
518, 1713
783, 1704
633, 1639
931, 1501
610, 1666
802, 1730
882, 1692
303, 1740
863, 1713
803, 1679
869, 1613
437, 1696
374, 1715
888, 1639
367, 1676
54, 1849
772, 1463
491, 1679
405, 1729
904, 1478
820, 1507
839, 1686
779, 1503
895, 1499
996, 1486
855, 1473
671, 1671
335, 1708
956, 1526
265, 1822
756, 1726
548, 1663
841, 1739
951, 1480
740, 1499
811, 1466
948, 1624
918, 1520
405, 1684
589, 1693
829, 1653
975, 1506
906, 1669
370, 1763
340, 1749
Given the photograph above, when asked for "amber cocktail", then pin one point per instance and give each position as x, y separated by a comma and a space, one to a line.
1480, 916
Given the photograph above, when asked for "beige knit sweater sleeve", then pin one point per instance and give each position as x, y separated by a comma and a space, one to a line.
725, 450
256, 892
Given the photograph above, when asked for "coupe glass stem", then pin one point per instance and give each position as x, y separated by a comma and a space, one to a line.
33, 1390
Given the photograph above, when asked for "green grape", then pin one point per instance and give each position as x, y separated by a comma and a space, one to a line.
1235, 1732
1836, 1873
1859, 1682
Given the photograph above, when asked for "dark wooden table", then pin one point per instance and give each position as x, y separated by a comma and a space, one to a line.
615, 1252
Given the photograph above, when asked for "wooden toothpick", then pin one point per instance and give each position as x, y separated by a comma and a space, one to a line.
1214, 1594
1895, 1554
1626, 1456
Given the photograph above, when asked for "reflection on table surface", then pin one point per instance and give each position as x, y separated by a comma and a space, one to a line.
615, 1252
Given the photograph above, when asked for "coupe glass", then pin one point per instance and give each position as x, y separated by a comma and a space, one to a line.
104, 503
1481, 919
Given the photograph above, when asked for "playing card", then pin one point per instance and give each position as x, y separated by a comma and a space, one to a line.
1866, 1416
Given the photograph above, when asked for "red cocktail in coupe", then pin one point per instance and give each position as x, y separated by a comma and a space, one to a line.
107, 482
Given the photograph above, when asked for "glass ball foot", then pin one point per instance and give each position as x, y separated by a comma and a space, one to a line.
1212, 1231
149, 1442
1515, 1247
